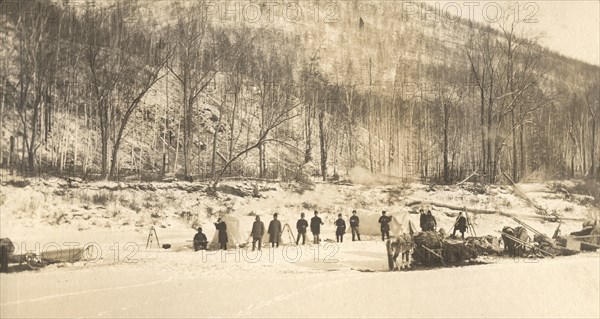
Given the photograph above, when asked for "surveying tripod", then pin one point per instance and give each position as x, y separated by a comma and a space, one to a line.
470, 225
151, 237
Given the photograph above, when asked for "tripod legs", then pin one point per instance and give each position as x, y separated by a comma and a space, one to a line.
150, 237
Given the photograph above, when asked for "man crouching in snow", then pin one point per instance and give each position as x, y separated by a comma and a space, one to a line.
200, 240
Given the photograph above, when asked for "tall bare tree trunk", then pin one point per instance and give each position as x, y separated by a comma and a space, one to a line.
484, 135
593, 147
515, 164
370, 143
323, 145
165, 148
308, 131
177, 142
446, 121
214, 148
11, 155
584, 168
187, 123
523, 159
2, 121
232, 124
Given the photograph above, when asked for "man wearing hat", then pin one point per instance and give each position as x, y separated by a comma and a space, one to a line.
422, 219
315, 227
222, 229
200, 241
301, 226
340, 229
354, 223
460, 225
258, 230
385, 225
274, 231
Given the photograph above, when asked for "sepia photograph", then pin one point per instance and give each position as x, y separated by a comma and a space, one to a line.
299, 159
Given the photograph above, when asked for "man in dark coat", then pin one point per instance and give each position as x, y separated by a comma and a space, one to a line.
274, 231
354, 223
422, 219
460, 225
301, 226
340, 229
315, 227
258, 230
200, 241
430, 222
222, 229
385, 226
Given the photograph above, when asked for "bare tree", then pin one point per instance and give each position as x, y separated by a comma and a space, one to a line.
123, 65
592, 100
36, 45
481, 53
273, 115
196, 63
524, 73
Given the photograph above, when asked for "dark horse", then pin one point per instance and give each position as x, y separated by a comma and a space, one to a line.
513, 247
399, 246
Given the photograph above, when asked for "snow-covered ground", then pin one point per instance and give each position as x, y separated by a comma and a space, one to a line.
187, 284
124, 279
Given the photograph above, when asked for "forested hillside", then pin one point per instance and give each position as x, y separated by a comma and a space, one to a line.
183, 88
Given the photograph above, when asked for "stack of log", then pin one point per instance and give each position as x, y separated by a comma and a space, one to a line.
487, 245
428, 248
432, 249
456, 251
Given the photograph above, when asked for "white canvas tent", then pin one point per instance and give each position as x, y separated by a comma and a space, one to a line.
235, 233
369, 223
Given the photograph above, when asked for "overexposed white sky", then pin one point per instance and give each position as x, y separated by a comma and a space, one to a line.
571, 28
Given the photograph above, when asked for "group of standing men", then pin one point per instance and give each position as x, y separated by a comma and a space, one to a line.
315, 228
340, 230
258, 230
428, 223
275, 230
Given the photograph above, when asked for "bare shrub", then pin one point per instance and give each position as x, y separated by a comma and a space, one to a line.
584, 187
505, 203
134, 204
396, 193
103, 197
58, 218
114, 211
28, 208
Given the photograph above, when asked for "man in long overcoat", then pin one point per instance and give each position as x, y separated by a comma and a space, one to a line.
274, 231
